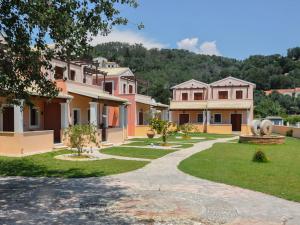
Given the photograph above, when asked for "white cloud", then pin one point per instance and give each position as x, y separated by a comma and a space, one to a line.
127, 36
193, 45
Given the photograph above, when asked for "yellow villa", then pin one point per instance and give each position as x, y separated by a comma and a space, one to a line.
223, 107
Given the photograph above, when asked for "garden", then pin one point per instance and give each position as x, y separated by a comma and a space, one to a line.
271, 169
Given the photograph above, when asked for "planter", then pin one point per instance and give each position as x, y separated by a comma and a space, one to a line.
150, 134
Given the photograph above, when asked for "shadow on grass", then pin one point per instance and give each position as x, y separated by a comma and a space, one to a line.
60, 201
26, 167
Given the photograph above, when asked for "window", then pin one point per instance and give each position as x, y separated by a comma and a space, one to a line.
130, 89
184, 96
223, 94
218, 118
200, 118
72, 75
141, 118
198, 96
59, 72
124, 88
34, 117
109, 87
76, 116
239, 94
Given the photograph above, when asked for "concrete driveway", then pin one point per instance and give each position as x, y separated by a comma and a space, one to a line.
156, 194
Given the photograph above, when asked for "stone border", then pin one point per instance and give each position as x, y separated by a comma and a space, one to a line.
68, 157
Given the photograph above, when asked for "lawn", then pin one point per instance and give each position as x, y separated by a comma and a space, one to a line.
145, 153
149, 141
44, 165
232, 164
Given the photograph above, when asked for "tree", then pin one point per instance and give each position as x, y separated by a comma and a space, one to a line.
268, 107
79, 136
27, 26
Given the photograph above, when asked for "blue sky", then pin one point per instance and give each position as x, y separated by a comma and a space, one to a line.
232, 28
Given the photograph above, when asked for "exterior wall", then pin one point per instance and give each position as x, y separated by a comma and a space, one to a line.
246, 130
226, 115
283, 129
146, 113
115, 135
27, 143
26, 115
141, 130
82, 103
127, 83
177, 94
219, 129
193, 116
66, 141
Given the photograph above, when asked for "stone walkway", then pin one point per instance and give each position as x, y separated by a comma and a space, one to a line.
157, 194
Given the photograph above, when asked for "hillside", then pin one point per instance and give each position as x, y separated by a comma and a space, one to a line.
167, 67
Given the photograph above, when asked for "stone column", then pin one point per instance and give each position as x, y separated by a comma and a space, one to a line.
122, 116
170, 116
208, 117
248, 118
94, 113
105, 116
18, 118
204, 117
64, 115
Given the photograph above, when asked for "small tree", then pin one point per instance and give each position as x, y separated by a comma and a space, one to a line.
80, 135
157, 125
186, 129
166, 131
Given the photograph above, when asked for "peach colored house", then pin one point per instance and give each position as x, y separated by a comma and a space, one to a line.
224, 106
121, 82
293, 92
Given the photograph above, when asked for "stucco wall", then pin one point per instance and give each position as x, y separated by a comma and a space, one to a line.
40, 105
141, 130
27, 143
115, 135
82, 103
283, 129
193, 116
219, 129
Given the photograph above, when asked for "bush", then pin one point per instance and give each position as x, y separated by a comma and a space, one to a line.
260, 156
289, 133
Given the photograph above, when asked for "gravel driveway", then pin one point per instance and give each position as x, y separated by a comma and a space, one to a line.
156, 194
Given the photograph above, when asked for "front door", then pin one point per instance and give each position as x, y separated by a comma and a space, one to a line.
8, 119
236, 122
184, 118
52, 119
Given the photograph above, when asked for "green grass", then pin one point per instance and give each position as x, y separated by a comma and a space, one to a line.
148, 143
232, 164
44, 165
145, 153
208, 136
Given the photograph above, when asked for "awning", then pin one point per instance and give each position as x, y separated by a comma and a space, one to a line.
92, 92
186, 105
229, 104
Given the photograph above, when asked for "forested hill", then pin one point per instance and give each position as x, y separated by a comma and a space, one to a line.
167, 67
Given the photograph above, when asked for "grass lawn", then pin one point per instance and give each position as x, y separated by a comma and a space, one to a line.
232, 164
44, 165
208, 136
148, 142
145, 153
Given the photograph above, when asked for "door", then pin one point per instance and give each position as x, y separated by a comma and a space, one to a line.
141, 118
8, 119
236, 122
52, 119
184, 118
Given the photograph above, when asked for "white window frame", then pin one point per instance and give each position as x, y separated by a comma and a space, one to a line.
38, 118
129, 88
79, 115
221, 118
124, 92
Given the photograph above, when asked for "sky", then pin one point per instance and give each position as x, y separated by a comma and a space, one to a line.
230, 28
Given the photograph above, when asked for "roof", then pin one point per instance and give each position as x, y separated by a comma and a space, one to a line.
176, 105
117, 71
147, 100
60, 94
229, 104
233, 78
283, 91
189, 81
92, 92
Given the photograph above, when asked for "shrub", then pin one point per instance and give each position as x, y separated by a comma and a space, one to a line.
157, 125
289, 133
260, 156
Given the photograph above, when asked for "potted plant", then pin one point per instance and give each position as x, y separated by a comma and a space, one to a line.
150, 133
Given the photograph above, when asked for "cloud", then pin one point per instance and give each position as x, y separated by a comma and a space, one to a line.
127, 36
205, 48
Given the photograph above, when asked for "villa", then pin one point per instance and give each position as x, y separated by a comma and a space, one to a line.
223, 107
121, 82
116, 110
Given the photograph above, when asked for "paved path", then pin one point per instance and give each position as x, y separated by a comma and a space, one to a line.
155, 194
